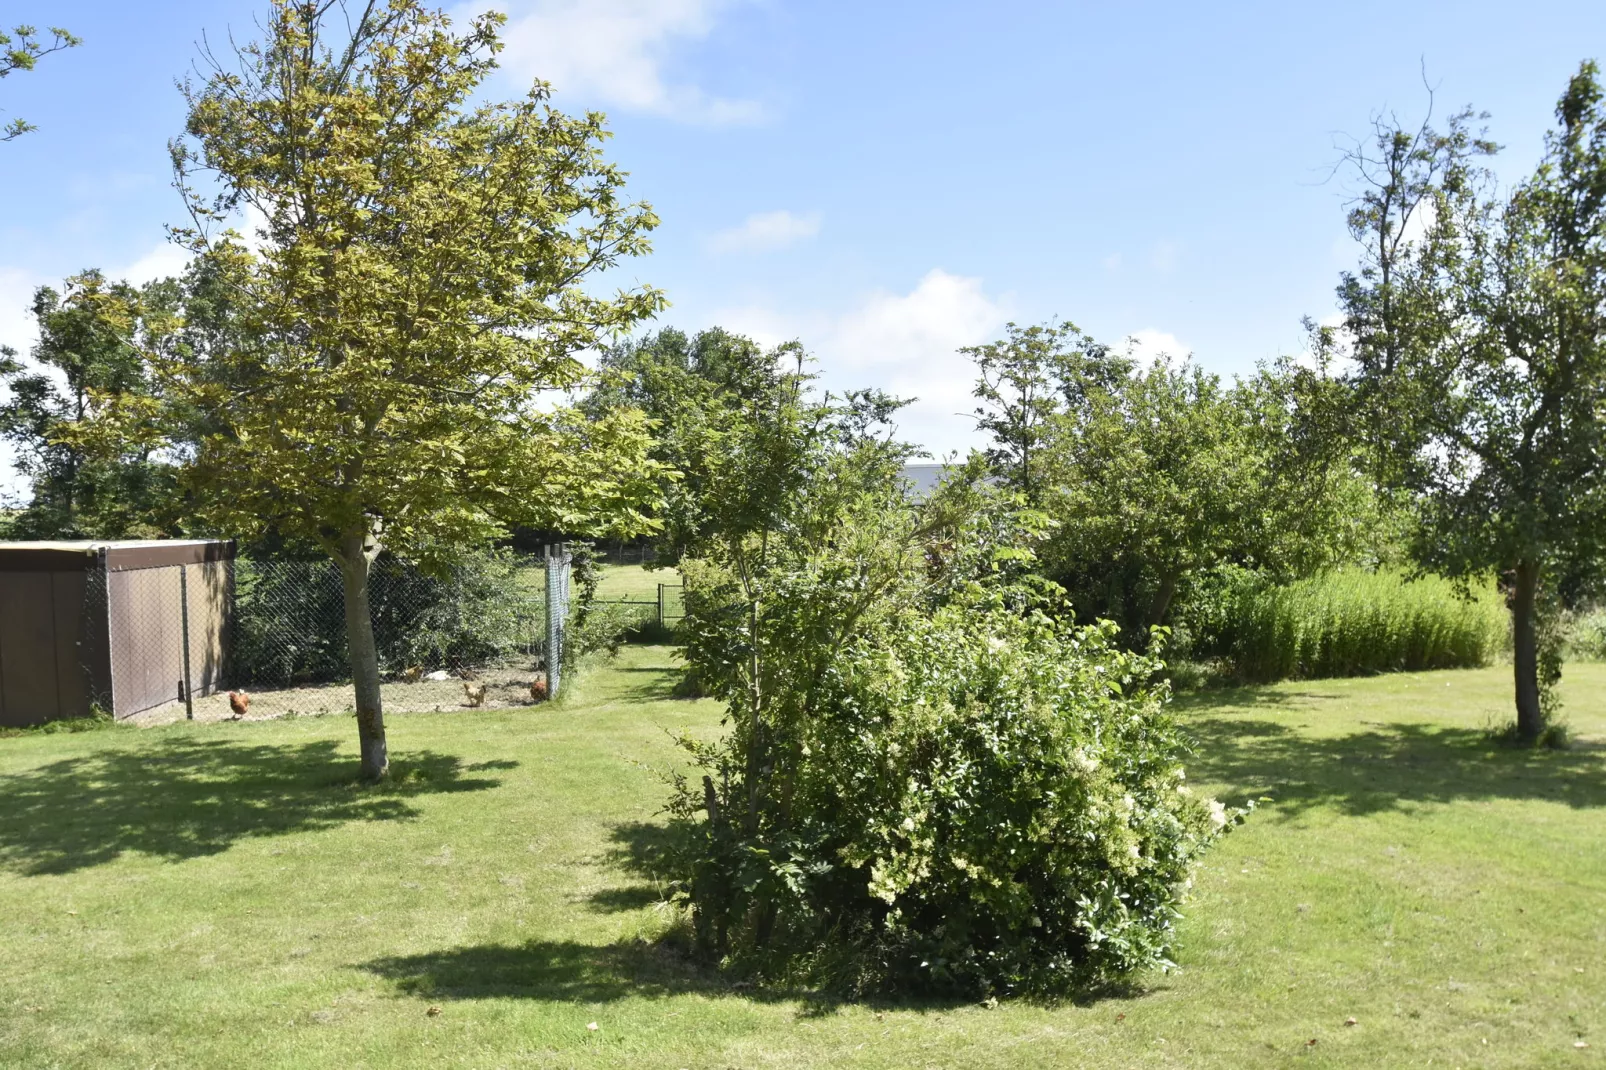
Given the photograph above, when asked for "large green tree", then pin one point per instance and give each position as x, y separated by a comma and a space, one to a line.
689, 385
1152, 475
425, 268
1476, 322
20, 50
93, 339
1026, 382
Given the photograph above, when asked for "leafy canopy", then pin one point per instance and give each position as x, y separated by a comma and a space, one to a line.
93, 339
929, 782
418, 276
1477, 326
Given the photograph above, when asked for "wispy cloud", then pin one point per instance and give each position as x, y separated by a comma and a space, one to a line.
764, 232
17, 327
615, 53
164, 261
904, 343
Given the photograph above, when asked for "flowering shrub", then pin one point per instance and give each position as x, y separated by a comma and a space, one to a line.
928, 781
980, 799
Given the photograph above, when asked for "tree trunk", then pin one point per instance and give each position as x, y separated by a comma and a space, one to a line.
356, 555
1525, 651
1161, 601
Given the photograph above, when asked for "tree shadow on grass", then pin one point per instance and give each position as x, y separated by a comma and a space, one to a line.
646, 683
1240, 697
181, 797
569, 972
561, 971
1389, 766
639, 849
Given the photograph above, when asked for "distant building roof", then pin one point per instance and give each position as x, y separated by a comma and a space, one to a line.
924, 478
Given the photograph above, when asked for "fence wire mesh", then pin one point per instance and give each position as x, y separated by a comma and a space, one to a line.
267, 638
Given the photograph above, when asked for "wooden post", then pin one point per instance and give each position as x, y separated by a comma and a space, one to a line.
184, 628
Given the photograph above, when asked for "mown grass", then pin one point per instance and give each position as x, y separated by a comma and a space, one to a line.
226, 895
1353, 623
632, 582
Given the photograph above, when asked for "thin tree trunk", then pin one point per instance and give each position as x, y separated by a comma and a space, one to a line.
1161, 602
356, 555
1525, 651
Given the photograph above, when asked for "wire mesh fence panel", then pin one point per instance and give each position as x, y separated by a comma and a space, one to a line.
558, 571
671, 603
265, 638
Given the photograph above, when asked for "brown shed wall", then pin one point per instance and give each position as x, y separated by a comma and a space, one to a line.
72, 635
52, 656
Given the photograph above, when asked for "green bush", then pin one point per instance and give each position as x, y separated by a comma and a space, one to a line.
932, 780
983, 800
1352, 623
1586, 635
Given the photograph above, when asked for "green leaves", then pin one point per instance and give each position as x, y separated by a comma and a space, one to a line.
20, 50
419, 277
81, 420
1479, 349
929, 782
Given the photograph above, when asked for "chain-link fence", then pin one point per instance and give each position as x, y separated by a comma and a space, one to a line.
265, 638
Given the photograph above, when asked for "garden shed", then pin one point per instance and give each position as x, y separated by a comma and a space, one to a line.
128, 625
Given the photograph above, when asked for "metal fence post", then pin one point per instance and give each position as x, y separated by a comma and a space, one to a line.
660, 606
184, 628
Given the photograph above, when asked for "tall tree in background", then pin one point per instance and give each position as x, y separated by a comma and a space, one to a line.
1165, 472
425, 269
1024, 382
1477, 326
689, 385
1152, 475
93, 339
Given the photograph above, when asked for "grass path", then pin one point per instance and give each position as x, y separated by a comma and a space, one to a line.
223, 895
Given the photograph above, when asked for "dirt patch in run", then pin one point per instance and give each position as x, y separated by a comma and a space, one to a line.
503, 688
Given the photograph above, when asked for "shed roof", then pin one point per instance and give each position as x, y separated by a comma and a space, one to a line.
121, 554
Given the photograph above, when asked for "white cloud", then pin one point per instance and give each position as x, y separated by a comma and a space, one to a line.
904, 343
1150, 344
615, 51
164, 261
764, 232
17, 327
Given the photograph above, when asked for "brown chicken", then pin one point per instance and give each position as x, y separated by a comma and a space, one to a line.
474, 692
538, 691
239, 702
412, 674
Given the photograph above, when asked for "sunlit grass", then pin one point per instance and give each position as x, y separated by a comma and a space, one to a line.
227, 895
633, 582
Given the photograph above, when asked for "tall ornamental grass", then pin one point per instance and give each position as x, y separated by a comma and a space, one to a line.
1353, 623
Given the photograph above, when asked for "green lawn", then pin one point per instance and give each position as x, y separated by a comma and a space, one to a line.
633, 582
224, 895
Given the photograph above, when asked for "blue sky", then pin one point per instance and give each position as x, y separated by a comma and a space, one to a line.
886, 181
